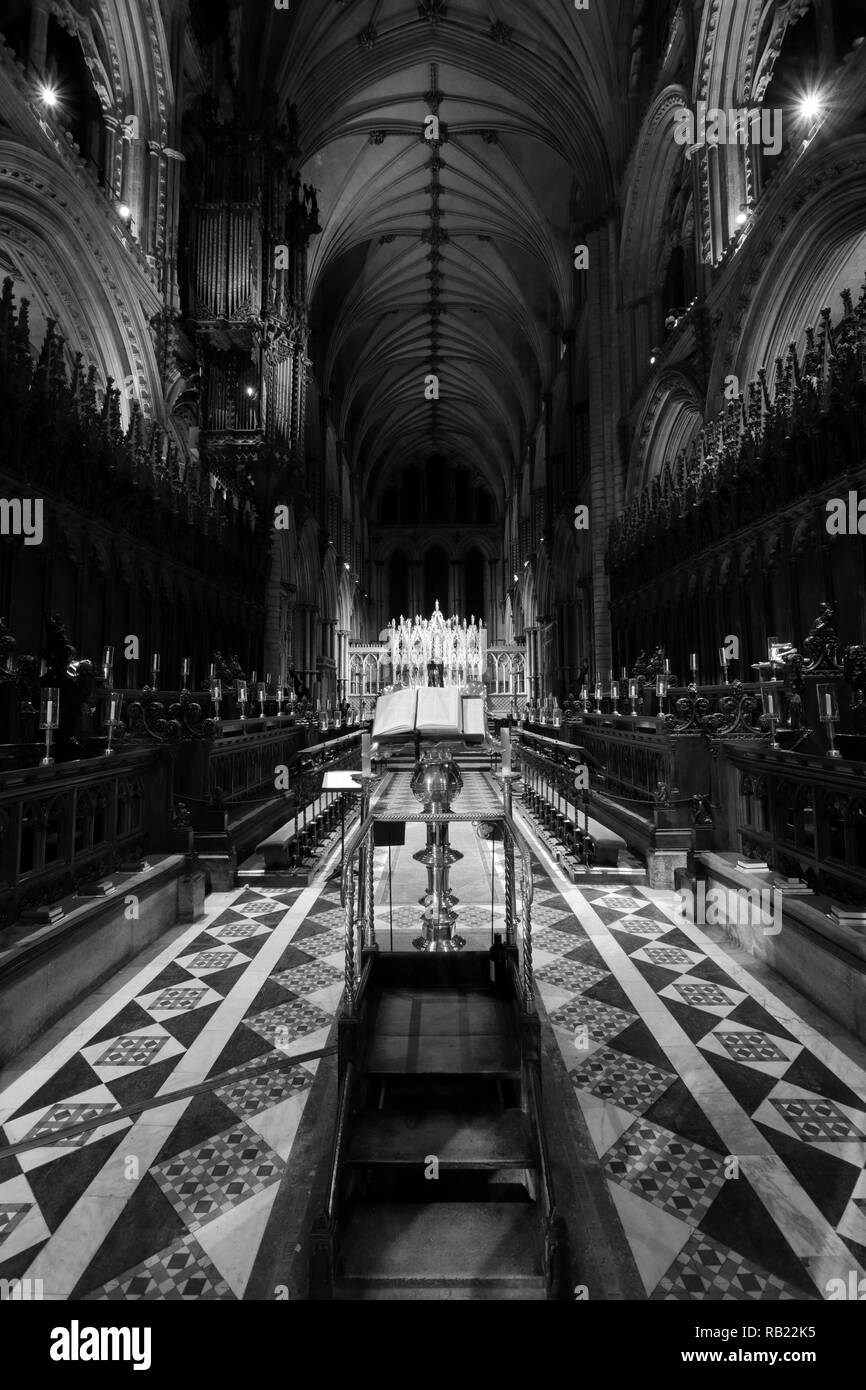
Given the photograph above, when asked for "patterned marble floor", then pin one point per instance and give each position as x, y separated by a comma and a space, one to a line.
731, 1131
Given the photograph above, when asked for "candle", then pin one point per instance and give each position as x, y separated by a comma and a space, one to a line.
255, 673
693, 661
112, 713
828, 704
624, 675
211, 673
108, 656
632, 690
49, 714
614, 690
154, 665
186, 666
217, 691
262, 696
667, 667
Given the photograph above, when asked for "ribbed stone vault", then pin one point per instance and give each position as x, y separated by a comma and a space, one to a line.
452, 257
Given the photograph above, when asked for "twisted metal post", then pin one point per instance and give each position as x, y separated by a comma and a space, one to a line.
526, 934
508, 847
371, 926
350, 940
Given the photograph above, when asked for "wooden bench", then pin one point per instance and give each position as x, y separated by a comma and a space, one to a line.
606, 844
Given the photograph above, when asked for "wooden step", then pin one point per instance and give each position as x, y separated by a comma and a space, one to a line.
459, 1054
458, 1244
458, 1141
441, 1012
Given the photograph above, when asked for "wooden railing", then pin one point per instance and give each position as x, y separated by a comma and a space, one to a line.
68, 824
806, 816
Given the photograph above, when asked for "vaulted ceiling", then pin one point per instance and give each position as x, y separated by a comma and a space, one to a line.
452, 257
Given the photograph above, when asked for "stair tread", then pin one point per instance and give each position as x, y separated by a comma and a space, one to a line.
445, 1241
365, 1291
441, 1012
485, 1053
474, 1141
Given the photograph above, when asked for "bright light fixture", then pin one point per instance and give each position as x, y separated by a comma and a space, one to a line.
810, 106
48, 94
742, 218
124, 212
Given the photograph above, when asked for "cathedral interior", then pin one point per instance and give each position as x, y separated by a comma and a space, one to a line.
433, 650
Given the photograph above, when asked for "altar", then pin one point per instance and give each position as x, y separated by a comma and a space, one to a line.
438, 651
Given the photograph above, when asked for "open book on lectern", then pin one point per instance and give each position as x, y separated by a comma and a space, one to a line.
432, 713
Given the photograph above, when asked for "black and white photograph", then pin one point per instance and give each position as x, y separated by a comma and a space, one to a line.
432, 673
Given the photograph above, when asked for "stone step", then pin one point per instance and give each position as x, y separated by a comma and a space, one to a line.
455, 1244
482, 1054
486, 1142
440, 1013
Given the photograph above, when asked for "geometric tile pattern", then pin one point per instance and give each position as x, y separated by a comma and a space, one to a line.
131, 1051
602, 1021
183, 1271
238, 931
305, 979
751, 1047
670, 955
255, 1094
65, 1114
285, 1022
203, 1182
570, 974
708, 1271
817, 1120
553, 942
325, 943
261, 908
698, 994
179, 997
625, 1081
641, 926
673, 1173
212, 960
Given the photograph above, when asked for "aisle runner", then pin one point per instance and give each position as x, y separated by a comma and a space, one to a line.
681, 1062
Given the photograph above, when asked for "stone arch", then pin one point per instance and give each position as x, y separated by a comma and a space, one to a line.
671, 418
794, 263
